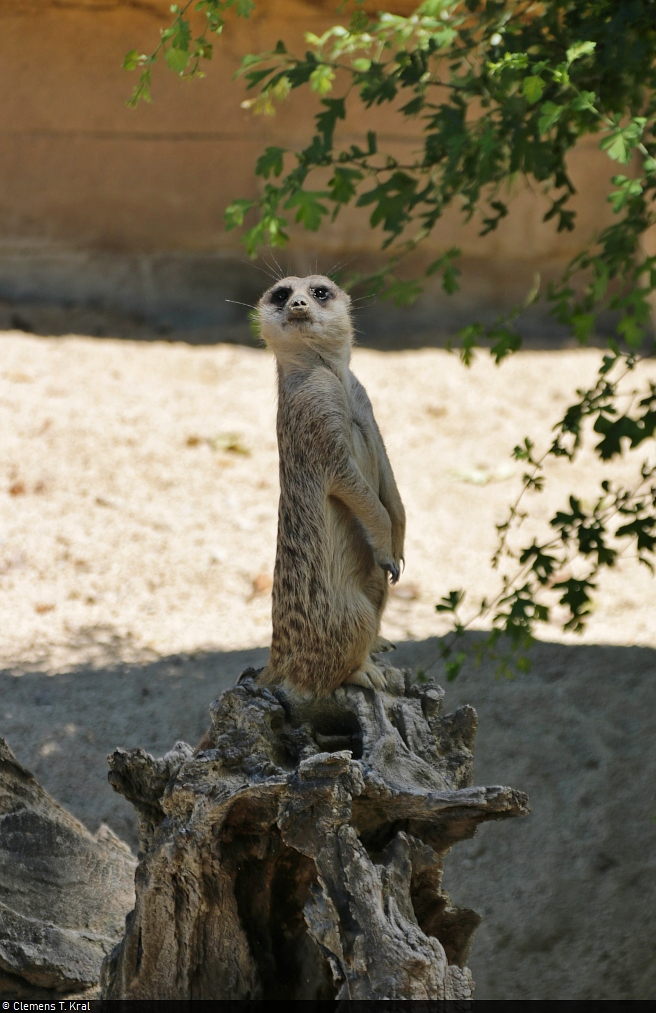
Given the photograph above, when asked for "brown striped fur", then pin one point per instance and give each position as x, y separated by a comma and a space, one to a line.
341, 523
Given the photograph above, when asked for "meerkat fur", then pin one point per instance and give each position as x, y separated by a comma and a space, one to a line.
341, 522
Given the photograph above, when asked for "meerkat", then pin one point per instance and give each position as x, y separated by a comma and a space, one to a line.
341, 522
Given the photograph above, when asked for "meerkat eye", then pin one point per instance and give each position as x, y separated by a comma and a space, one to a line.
321, 293
280, 296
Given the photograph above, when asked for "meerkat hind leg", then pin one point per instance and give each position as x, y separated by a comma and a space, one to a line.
369, 675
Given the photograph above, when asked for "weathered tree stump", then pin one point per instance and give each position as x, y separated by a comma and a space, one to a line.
301, 856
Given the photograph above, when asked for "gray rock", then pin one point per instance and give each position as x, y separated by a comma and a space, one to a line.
300, 855
64, 893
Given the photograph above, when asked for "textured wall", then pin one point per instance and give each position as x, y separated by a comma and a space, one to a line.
125, 207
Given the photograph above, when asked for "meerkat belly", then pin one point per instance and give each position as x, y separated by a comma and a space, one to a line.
351, 556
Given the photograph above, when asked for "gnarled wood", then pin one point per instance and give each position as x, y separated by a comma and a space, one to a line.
300, 856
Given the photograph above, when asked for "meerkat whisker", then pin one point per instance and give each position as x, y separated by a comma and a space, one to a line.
236, 302
339, 265
281, 273
269, 273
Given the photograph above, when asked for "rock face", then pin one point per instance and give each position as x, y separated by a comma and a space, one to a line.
64, 893
300, 857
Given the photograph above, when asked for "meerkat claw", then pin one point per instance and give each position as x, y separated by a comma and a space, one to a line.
393, 571
370, 676
359, 679
382, 646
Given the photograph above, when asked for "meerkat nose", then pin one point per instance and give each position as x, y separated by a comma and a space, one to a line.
298, 302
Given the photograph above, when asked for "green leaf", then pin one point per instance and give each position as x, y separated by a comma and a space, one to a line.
269, 231
321, 79
179, 33
254, 77
469, 337
310, 209
245, 8
376, 86
505, 341
578, 50
450, 276
235, 212
359, 21
272, 161
450, 272
524, 453
391, 198
532, 88
176, 59
250, 60
620, 143
335, 109
131, 61
631, 330
453, 667
141, 91
343, 184
628, 188
203, 49
551, 113
582, 324
510, 61
403, 293
584, 101
616, 147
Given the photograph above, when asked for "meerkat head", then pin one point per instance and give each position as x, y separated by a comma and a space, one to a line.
306, 313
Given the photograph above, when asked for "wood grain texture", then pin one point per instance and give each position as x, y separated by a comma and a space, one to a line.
300, 855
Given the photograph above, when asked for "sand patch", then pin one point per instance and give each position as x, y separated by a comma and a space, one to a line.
138, 486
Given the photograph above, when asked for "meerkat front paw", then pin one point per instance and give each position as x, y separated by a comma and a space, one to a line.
369, 676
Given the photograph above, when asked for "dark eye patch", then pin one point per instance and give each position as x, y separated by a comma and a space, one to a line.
279, 296
321, 293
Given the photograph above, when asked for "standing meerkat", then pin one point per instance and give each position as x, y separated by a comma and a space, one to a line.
341, 522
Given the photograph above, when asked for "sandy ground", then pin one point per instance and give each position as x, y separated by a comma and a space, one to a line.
138, 492
138, 484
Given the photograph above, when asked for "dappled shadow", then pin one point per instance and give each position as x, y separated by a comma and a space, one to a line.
567, 894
